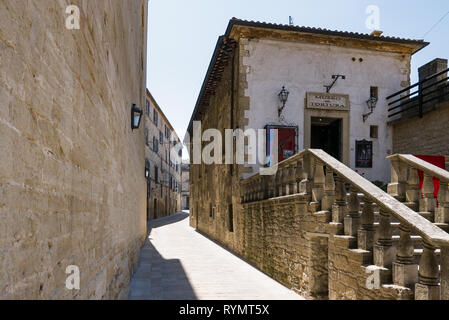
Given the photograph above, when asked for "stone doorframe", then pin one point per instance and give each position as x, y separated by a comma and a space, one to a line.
337, 114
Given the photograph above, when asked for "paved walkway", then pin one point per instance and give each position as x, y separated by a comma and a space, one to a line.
179, 263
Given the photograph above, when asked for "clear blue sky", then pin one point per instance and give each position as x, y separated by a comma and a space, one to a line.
182, 36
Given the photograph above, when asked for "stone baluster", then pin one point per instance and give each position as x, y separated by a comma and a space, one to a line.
412, 193
277, 183
444, 265
284, 180
271, 186
266, 187
243, 189
305, 186
405, 271
398, 179
256, 188
442, 213
318, 183
298, 175
384, 251
427, 287
365, 236
339, 208
352, 218
291, 179
329, 191
428, 203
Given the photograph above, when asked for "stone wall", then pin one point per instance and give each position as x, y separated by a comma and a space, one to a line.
72, 184
425, 135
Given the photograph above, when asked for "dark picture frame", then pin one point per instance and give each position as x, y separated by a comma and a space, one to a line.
364, 154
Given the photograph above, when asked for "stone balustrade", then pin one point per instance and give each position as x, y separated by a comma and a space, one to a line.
350, 201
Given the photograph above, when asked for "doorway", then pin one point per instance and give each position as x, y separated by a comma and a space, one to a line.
326, 134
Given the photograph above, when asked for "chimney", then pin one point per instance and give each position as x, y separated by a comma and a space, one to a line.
431, 68
376, 33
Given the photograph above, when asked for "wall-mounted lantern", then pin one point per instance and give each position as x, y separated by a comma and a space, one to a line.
283, 97
371, 102
136, 116
147, 169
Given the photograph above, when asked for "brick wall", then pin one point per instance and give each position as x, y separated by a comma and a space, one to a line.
423, 136
72, 185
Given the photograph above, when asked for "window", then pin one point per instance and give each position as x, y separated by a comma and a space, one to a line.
147, 137
231, 218
161, 137
374, 132
155, 117
148, 108
167, 132
156, 174
374, 92
155, 145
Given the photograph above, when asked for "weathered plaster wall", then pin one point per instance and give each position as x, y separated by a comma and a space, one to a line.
305, 67
72, 188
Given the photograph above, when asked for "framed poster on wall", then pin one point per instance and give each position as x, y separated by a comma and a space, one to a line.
364, 154
285, 137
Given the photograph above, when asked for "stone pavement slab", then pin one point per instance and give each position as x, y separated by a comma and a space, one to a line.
178, 263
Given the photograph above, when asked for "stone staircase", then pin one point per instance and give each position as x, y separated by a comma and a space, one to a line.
380, 245
406, 261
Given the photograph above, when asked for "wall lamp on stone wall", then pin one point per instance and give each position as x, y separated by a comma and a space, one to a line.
136, 116
283, 97
372, 103
147, 169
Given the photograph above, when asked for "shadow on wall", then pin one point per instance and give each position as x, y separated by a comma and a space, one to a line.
157, 278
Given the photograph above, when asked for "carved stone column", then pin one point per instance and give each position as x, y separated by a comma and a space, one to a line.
384, 251
352, 218
298, 175
305, 186
285, 181
427, 287
398, 179
339, 209
444, 263
412, 193
428, 202
329, 191
405, 271
318, 183
278, 183
365, 235
291, 179
442, 212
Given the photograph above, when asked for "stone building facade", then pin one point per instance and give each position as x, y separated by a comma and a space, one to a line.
164, 170
185, 189
72, 188
250, 65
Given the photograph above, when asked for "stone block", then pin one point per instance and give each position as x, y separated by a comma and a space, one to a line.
352, 225
338, 213
425, 292
384, 255
405, 275
427, 204
365, 239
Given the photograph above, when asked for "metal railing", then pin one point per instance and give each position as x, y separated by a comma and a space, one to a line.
426, 91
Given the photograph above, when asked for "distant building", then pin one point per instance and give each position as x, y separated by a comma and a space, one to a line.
164, 174
185, 192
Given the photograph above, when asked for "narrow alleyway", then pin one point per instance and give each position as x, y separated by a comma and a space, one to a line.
179, 263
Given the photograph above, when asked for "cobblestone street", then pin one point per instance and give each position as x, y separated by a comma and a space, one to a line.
179, 263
